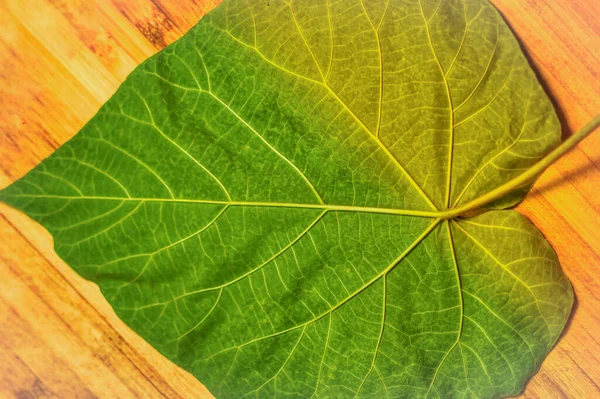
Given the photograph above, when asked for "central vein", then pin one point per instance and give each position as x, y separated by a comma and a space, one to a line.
328, 207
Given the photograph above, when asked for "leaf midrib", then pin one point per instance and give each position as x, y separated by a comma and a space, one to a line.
326, 207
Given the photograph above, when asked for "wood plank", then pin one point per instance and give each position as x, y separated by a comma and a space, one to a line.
61, 59
17, 380
68, 328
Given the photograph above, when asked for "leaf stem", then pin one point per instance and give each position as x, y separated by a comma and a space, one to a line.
528, 175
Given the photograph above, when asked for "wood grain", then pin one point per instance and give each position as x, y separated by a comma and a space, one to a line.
61, 59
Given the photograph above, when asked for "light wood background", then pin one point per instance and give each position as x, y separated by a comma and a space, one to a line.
61, 59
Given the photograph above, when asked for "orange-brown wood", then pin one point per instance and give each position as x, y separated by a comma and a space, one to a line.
61, 59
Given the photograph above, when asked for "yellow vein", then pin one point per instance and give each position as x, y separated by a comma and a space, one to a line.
387, 5
274, 378
118, 222
491, 160
380, 103
512, 373
462, 42
203, 66
497, 261
59, 178
153, 124
261, 55
136, 159
387, 392
201, 321
489, 104
485, 73
379, 339
462, 309
312, 187
480, 361
506, 324
266, 262
451, 111
92, 219
331, 39
437, 9
462, 356
89, 165
323, 357
329, 207
312, 54
249, 6
151, 255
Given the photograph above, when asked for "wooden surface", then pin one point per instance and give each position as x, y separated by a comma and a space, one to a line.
61, 59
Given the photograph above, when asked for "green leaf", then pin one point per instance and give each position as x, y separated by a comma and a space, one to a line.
271, 202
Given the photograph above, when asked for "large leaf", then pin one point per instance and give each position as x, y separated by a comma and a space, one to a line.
263, 201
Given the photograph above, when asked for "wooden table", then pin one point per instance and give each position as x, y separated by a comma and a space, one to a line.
61, 59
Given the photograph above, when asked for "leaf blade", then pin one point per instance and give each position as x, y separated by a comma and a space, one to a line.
261, 204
